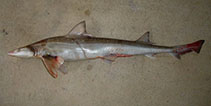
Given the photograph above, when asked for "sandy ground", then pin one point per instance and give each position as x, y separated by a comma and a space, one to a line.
135, 81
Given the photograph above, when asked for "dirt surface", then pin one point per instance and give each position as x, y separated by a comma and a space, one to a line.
134, 81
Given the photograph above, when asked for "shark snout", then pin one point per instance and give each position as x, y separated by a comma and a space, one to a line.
10, 53
21, 52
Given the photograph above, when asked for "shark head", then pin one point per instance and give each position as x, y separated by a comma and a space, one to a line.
24, 52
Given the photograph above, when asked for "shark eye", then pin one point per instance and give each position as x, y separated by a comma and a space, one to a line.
21, 49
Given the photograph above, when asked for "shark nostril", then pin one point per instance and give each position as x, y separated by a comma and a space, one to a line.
11, 53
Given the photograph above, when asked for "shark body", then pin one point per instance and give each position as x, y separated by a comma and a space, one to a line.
79, 45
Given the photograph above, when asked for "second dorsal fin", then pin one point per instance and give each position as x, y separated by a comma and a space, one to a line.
144, 38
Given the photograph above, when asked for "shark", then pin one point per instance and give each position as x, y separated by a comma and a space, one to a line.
77, 45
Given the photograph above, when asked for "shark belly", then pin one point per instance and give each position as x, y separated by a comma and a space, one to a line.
109, 49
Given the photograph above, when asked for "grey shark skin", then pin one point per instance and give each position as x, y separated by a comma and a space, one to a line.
78, 45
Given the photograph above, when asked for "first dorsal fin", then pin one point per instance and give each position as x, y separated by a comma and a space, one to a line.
144, 38
79, 30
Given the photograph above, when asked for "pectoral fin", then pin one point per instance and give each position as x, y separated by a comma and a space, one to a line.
52, 64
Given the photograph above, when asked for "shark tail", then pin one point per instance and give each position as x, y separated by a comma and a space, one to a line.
183, 49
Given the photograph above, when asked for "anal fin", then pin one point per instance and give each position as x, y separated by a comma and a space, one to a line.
176, 55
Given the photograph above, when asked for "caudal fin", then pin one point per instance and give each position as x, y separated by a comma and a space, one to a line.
183, 49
